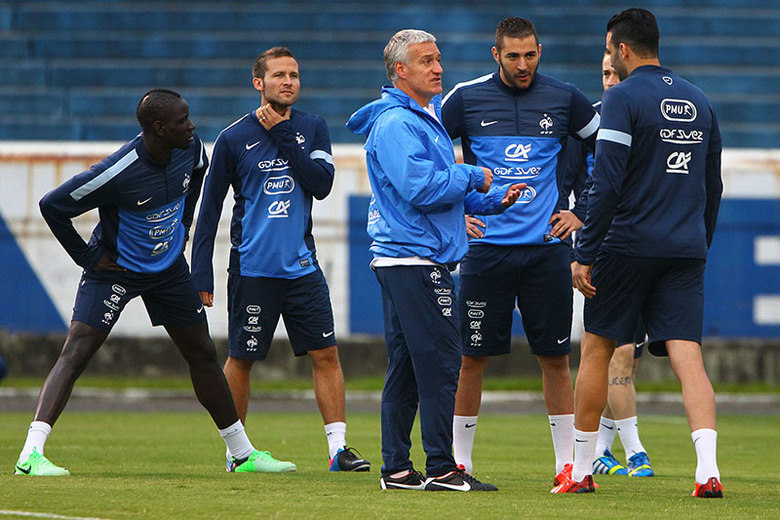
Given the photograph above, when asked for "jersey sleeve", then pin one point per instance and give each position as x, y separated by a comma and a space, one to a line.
584, 121
609, 171
314, 170
196, 182
88, 190
407, 166
452, 114
713, 184
217, 183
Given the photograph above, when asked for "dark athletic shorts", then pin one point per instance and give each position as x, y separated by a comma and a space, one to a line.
169, 296
668, 294
535, 278
254, 307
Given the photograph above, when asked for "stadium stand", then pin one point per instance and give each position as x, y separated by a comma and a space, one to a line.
74, 70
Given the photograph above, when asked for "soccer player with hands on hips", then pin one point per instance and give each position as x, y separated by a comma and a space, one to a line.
145, 194
514, 122
651, 215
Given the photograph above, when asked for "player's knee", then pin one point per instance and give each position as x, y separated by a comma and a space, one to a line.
202, 353
622, 362
326, 358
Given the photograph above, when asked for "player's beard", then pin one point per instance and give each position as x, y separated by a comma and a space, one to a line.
511, 78
619, 66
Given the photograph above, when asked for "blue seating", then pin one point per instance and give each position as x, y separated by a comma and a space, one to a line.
84, 65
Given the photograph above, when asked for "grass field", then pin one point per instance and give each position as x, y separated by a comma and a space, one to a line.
154, 465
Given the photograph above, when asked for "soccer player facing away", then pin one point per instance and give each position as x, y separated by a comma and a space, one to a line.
145, 194
515, 121
276, 158
651, 216
619, 416
415, 219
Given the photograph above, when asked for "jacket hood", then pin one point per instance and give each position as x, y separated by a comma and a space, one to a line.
364, 118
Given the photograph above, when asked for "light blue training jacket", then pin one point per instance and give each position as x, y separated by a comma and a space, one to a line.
417, 208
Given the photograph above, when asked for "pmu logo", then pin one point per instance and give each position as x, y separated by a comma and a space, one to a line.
677, 162
277, 185
678, 110
445, 300
278, 209
161, 232
546, 123
526, 196
517, 152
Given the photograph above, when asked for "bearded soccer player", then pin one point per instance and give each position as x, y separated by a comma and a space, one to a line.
651, 216
514, 122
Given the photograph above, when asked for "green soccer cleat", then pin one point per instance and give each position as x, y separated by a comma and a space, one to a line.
261, 462
37, 465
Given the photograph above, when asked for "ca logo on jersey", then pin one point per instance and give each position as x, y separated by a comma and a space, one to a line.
677, 162
278, 209
517, 152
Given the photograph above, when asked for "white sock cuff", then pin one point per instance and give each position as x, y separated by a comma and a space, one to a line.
461, 420
563, 417
627, 420
232, 429
703, 432
607, 421
586, 435
40, 426
336, 427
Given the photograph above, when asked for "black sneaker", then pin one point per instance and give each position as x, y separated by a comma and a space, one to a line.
457, 480
346, 460
411, 480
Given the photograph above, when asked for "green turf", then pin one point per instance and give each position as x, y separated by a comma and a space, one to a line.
154, 465
533, 384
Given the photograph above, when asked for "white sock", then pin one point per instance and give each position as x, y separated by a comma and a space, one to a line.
562, 429
336, 433
705, 441
629, 436
584, 453
607, 431
238, 444
464, 427
37, 435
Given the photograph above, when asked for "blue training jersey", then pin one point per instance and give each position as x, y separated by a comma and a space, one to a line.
274, 175
145, 207
656, 182
518, 134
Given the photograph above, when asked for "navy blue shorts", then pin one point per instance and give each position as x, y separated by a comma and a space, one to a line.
668, 293
535, 278
169, 296
254, 307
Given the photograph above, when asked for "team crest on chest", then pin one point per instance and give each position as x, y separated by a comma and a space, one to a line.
546, 124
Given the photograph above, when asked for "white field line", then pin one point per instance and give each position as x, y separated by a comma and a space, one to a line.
31, 514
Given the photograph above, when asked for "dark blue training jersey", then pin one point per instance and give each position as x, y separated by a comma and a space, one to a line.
656, 179
274, 175
518, 134
145, 207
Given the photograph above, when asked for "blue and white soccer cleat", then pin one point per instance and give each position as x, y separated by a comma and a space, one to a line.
607, 464
639, 465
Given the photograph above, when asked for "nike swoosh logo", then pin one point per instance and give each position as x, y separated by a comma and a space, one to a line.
462, 487
250, 146
562, 341
436, 140
470, 425
552, 424
487, 123
328, 334
608, 427
201, 309
580, 440
141, 202
25, 471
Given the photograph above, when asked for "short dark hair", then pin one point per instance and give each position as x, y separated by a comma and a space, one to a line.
259, 68
153, 106
638, 29
514, 28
